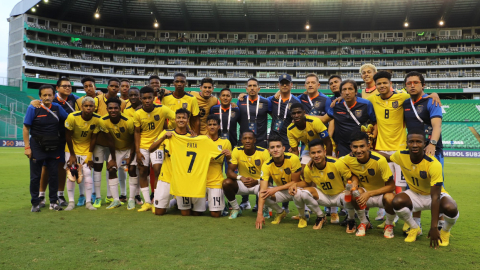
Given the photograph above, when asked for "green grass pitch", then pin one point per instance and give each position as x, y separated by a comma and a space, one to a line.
121, 239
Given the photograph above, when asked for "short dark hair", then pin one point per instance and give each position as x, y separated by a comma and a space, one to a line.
62, 79
125, 80
226, 89
179, 75
134, 88
295, 106
113, 80
213, 117
274, 138
358, 136
334, 76
153, 77
316, 142
418, 131
415, 73
87, 79
206, 80
252, 79
354, 83
146, 90
114, 100
45, 86
184, 111
382, 74
248, 131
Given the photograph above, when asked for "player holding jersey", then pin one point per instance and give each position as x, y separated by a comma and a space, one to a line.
149, 122
426, 192
284, 170
248, 159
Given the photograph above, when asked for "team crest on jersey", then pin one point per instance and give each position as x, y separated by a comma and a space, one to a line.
331, 175
317, 104
184, 105
260, 106
310, 133
219, 147
358, 113
122, 129
395, 104
117, 135
289, 105
288, 171
156, 117
371, 172
419, 108
202, 112
423, 174
233, 114
92, 127
258, 162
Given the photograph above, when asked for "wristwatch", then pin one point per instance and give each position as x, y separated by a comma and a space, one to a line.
434, 142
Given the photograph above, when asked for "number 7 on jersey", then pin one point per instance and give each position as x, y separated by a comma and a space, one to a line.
194, 155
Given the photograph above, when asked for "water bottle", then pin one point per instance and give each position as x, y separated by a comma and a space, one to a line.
356, 194
348, 193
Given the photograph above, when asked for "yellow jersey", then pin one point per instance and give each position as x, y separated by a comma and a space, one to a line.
151, 123
250, 166
166, 172
82, 131
392, 134
366, 93
329, 180
422, 176
315, 129
215, 170
122, 131
129, 111
78, 103
204, 105
283, 174
190, 156
371, 175
102, 104
127, 102
188, 102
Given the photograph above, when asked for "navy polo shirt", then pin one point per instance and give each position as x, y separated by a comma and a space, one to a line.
288, 119
235, 119
345, 125
426, 111
320, 103
264, 107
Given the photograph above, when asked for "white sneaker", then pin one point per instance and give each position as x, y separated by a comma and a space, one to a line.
380, 214
245, 206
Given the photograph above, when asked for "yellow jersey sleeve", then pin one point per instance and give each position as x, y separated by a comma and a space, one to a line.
234, 158
296, 166
168, 113
195, 109
70, 121
292, 139
435, 171
386, 172
343, 169
319, 127
307, 174
215, 170
265, 175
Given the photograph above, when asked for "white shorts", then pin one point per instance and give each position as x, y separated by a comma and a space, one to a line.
330, 200
80, 160
216, 200
161, 197
375, 201
421, 202
305, 157
396, 171
283, 196
120, 155
185, 203
100, 154
243, 190
153, 158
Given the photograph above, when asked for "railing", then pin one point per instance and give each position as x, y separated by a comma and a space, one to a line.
13, 104
10, 81
10, 129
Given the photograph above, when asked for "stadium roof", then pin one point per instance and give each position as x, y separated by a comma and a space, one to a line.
260, 15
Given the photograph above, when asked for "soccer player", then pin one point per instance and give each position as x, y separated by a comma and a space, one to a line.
325, 173
101, 152
248, 159
124, 87
305, 128
205, 102
280, 109
229, 116
426, 192
284, 170
90, 91
368, 71
180, 99
134, 100
81, 132
149, 122
349, 115
162, 192
375, 182
121, 128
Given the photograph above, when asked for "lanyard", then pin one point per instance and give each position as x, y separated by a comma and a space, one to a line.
286, 107
65, 101
248, 108
229, 117
415, 111
351, 114
48, 110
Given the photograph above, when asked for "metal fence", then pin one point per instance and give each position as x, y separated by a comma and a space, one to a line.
9, 129
10, 82
13, 104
